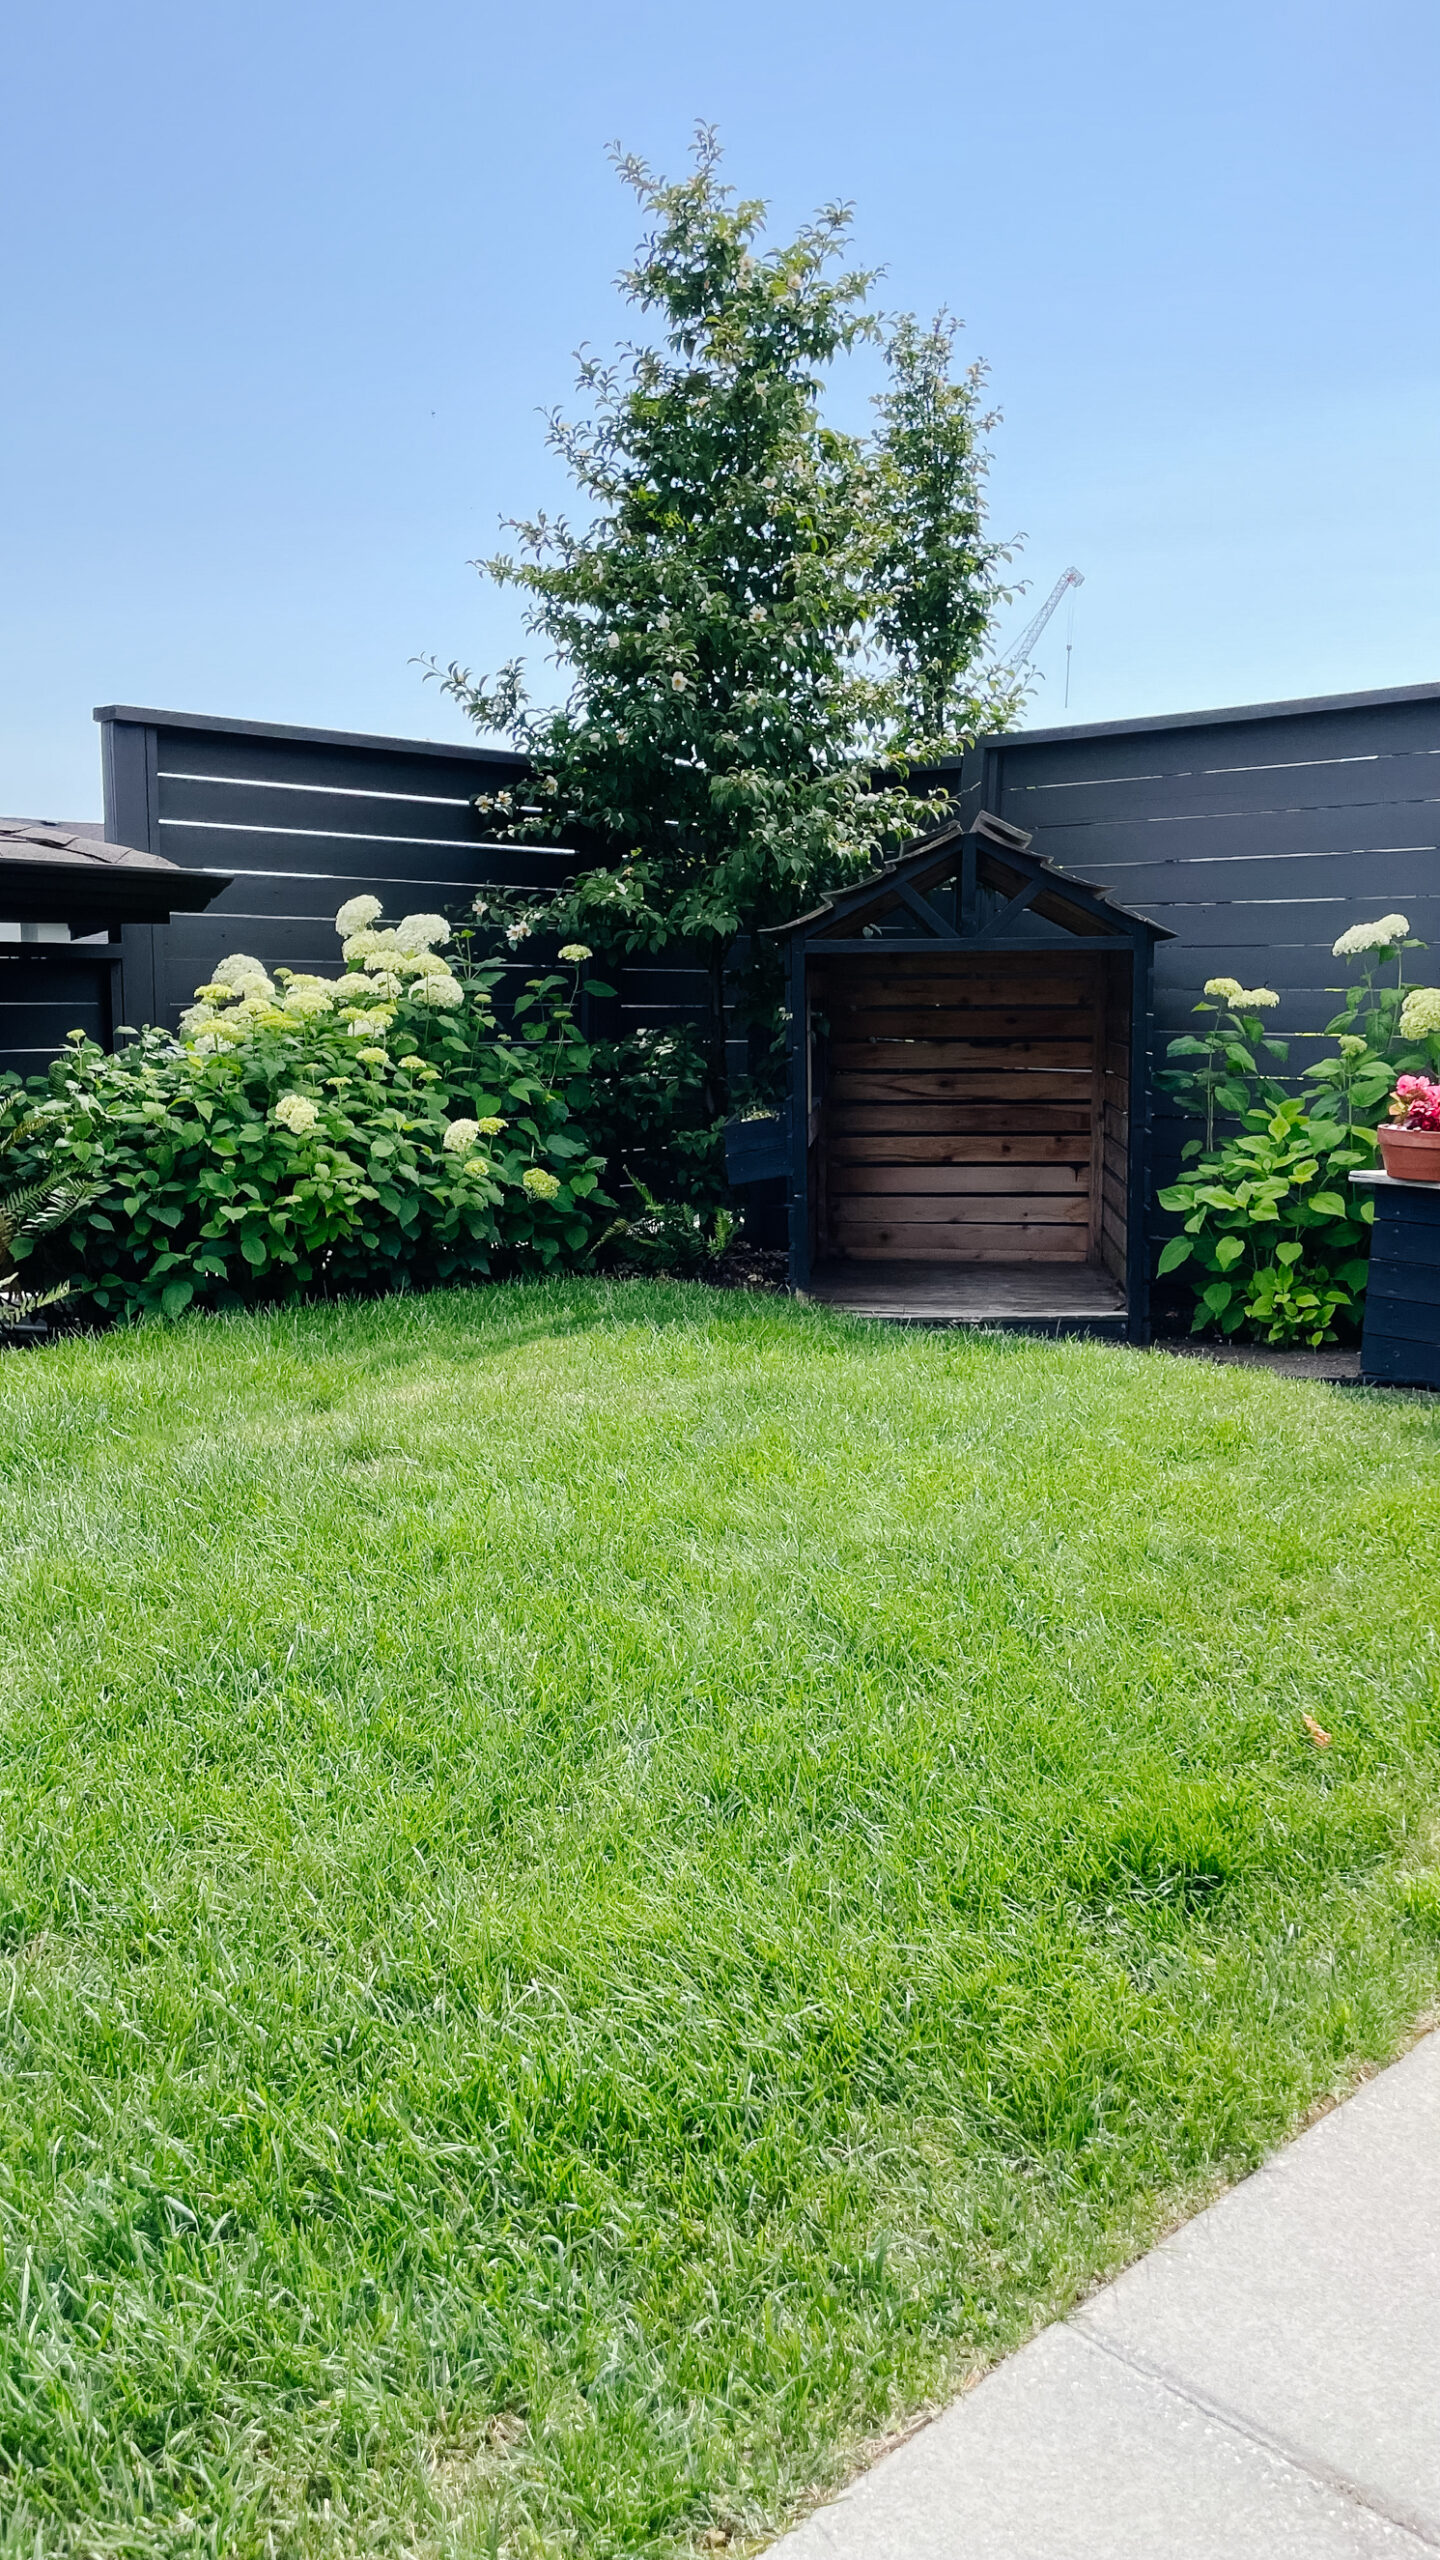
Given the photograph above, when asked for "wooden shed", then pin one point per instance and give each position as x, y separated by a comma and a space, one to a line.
969, 1091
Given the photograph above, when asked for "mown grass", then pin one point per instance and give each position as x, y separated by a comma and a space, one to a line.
604, 1888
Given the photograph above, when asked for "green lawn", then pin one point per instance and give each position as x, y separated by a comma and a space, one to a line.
606, 1888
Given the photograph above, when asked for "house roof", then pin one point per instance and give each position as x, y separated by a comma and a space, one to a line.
54, 871
1003, 862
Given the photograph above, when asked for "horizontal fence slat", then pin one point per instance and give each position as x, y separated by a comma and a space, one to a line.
53, 982
954, 1022
1302, 929
1016, 980
1015, 1083
932, 1118
447, 775
1418, 1286
1271, 878
912, 1057
278, 808
1408, 779
899, 1148
333, 863
908, 1242
893, 1181
849, 1214
1259, 746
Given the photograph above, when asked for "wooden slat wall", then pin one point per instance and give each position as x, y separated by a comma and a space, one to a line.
1255, 836
304, 819
959, 1111
46, 991
1110, 1230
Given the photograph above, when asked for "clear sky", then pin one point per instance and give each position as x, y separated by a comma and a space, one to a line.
286, 284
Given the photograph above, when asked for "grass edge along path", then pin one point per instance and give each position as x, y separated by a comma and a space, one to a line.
606, 1889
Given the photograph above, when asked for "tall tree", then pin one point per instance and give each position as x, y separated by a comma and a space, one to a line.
936, 570
737, 722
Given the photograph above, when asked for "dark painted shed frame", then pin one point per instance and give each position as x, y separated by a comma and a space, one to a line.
68, 897
963, 897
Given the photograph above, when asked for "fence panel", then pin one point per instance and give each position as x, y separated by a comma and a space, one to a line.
304, 819
1256, 836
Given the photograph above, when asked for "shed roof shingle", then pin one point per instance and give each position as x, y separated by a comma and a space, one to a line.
70, 867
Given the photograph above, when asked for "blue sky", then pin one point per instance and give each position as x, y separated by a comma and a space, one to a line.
286, 285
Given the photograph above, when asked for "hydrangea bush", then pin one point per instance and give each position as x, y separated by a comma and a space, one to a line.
305, 1134
1273, 1240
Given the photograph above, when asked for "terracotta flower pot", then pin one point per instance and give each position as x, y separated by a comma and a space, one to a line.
1411, 1155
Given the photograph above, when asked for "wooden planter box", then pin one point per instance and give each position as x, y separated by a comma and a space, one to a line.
1401, 1343
757, 1150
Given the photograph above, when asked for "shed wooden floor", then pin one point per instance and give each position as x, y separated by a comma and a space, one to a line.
1031, 1296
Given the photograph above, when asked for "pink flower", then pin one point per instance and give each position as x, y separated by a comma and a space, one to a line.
1416, 1103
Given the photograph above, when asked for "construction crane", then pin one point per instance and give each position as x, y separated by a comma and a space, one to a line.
1024, 648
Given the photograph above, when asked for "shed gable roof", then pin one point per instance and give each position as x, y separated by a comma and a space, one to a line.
1008, 890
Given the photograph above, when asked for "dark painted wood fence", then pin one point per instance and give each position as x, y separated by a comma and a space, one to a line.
48, 989
304, 819
1256, 835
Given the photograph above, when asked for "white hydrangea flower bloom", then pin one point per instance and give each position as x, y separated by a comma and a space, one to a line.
576, 951
1379, 936
244, 975
356, 914
459, 1135
421, 933
540, 1184
384, 982
196, 1019
1420, 1013
438, 987
1229, 990
309, 997
297, 1113
372, 943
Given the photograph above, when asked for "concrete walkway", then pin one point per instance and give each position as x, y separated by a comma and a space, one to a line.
1263, 2386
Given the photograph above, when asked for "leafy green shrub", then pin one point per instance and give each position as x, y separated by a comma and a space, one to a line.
1275, 1237
1218, 1070
1378, 1029
304, 1134
42, 1199
670, 1235
1275, 1242
654, 1113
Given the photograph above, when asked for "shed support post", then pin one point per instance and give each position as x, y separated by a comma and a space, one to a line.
799, 1084
1137, 1219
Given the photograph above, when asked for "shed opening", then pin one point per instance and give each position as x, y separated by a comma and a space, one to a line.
968, 1092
